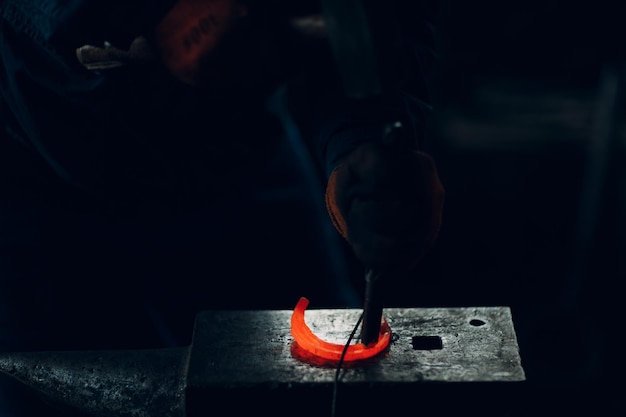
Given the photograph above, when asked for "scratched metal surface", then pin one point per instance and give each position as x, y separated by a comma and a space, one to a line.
255, 348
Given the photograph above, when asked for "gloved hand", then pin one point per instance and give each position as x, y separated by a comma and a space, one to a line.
387, 202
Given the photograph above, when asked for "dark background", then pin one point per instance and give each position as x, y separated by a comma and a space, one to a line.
527, 133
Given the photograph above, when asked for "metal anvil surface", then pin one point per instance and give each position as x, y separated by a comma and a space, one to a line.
444, 360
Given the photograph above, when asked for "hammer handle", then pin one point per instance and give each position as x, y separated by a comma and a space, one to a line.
373, 306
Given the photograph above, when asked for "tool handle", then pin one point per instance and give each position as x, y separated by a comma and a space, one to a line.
373, 306
375, 278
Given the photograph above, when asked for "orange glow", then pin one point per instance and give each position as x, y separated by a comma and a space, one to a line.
316, 346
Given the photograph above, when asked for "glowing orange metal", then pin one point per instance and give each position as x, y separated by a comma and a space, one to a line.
313, 344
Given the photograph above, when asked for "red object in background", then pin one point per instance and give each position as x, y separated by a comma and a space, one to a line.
192, 30
318, 347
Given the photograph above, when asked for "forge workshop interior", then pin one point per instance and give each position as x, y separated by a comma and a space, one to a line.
441, 181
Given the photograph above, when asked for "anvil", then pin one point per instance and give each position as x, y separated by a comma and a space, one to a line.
442, 360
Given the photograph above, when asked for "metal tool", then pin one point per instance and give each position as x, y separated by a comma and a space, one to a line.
363, 37
372, 306
394, 136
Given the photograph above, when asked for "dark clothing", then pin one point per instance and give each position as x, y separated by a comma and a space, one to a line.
129, 202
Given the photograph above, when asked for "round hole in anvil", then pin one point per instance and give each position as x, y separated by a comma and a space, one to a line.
477, 322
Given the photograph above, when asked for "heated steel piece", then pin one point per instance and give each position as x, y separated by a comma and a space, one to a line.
340, 352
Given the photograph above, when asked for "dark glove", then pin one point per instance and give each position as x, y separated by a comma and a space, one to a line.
387, 202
